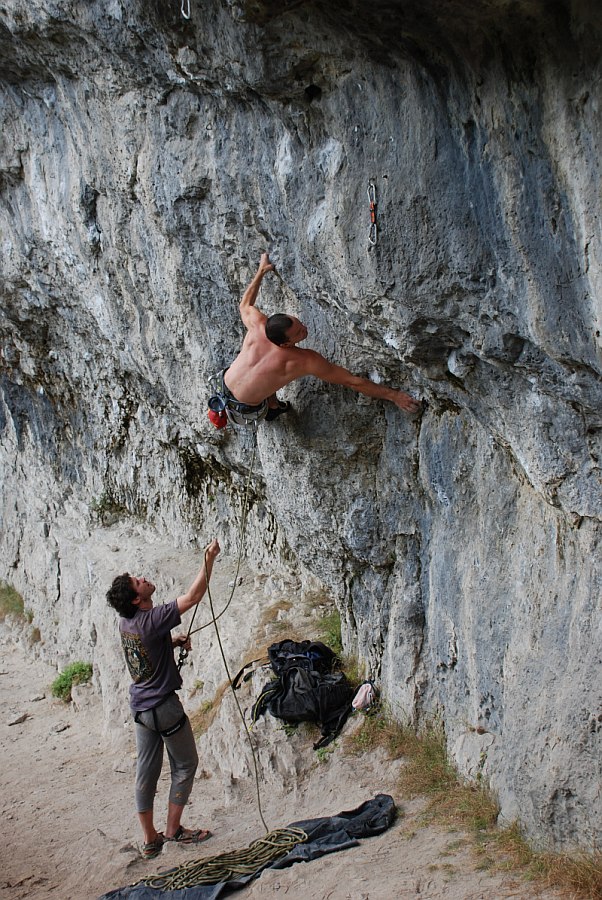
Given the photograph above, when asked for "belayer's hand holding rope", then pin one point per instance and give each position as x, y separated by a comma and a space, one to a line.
193, 596
198, 588
183, 641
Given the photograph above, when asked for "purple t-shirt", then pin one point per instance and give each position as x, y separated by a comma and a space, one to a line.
146, 642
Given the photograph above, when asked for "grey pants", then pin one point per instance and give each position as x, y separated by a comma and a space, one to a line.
181, 750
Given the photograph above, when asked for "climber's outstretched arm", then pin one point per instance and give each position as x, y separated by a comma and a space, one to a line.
327, 371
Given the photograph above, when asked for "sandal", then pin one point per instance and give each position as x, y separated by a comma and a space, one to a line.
153, 848
188, 836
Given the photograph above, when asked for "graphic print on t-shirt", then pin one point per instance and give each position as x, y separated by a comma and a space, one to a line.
136, 657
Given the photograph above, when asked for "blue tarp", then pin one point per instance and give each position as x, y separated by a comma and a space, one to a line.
325, 835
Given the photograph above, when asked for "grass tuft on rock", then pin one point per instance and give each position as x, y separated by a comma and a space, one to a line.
75, 673
329, 631
472, 807
11, 603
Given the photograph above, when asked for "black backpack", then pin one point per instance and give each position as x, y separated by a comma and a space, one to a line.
306, 689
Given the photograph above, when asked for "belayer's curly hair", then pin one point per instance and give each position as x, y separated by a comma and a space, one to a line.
276, 328
121, 595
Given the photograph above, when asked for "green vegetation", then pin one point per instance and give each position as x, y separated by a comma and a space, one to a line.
197, 687
578, 873
106, 509
11, 602
324, 753
76, 673
12, 606
472, 807
329, 631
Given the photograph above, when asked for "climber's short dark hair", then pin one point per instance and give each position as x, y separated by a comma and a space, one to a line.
276, 328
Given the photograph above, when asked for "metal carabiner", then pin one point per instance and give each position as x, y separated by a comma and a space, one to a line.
372, 234
185, 9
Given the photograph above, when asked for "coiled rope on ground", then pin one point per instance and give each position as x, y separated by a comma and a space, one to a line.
228, 866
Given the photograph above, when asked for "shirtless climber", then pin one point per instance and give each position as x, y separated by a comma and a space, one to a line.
270, 359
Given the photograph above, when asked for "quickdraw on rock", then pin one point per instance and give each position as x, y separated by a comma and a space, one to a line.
372, 234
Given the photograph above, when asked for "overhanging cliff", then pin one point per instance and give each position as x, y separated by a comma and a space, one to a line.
147, 160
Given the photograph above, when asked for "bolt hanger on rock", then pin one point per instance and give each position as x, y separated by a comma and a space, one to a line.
373, 233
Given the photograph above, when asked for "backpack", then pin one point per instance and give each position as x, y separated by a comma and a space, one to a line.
305, 689
306, 654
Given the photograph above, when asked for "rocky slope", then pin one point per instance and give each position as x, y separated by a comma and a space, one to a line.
146, 161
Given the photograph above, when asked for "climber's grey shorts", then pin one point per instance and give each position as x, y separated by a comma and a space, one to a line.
180, 746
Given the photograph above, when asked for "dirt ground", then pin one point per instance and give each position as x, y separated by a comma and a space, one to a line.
69, 830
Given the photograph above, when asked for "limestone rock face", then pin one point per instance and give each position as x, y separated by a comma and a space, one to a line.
146, 161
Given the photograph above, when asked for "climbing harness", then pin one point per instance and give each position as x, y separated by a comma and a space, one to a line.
185, 9
229, 866
372, 234
224, 407
167, 732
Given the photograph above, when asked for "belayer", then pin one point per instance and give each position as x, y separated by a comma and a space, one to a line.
160, 719
270, 358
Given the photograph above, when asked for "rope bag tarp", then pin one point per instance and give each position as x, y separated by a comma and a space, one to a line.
324, 835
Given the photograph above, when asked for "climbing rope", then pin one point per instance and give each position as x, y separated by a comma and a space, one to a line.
214, 618
373, 233
243, 521
241, 713
228, 866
